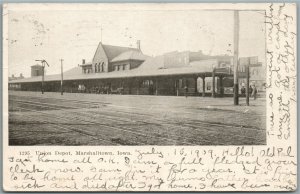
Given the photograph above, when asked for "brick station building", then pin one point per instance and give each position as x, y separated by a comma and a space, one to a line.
125, 70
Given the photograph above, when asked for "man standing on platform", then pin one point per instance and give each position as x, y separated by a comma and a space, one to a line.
254, 92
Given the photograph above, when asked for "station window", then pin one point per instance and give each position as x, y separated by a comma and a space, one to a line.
187, 82
208, 86
145, 83
180, 83
102, 67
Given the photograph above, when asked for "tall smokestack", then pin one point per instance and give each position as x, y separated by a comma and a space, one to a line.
138, 44
83, 61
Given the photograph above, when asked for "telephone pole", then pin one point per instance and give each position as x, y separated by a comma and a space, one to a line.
44, 62
236, 58
62, 77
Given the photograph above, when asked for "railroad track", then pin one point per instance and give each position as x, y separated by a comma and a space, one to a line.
204, 125
172, 125
68, 129
121, 129
93, 103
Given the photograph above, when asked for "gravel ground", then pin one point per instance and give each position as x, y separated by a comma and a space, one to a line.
92, 119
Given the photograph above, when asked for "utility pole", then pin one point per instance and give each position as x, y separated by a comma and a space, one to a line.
213, 92
44, 62
247, 83
236, 57
62, 77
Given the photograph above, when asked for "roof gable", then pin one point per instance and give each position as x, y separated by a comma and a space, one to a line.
130, 55
113, 51
99, 53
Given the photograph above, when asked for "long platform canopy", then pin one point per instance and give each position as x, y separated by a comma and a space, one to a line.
76, 74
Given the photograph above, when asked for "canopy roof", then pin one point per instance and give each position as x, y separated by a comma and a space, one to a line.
76, 74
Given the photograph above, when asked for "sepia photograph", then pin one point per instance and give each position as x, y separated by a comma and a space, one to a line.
149, 97
137, 77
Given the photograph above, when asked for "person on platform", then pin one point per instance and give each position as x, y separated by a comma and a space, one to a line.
186, 91
254, 92
243, 90
250, 90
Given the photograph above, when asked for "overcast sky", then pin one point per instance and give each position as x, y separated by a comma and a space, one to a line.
74, 35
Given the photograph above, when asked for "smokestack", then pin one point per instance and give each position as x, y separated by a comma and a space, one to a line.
83, 61
138, 44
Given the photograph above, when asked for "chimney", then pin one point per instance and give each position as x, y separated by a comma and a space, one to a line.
21, 75
83, 61
12, 75
138, 44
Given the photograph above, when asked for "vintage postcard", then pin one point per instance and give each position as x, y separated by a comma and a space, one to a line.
150, 97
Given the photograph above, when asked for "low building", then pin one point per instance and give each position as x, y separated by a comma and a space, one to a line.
13, 77
15, 86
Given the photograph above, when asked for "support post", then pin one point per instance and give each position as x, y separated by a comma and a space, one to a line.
213, 93
235, 57
43, 75
221, 86
156, 87
129, 85
177, 87
138, 86
62, 77
196, 89
186, 87
247, 85
203, 86
44, 62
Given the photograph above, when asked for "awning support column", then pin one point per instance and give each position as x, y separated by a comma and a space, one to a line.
177, 87
129, 85
196, 90
138, 86
213, 93
221, 86
203, 86
156, 87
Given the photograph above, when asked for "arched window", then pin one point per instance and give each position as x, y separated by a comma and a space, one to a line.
102, 66
96, 69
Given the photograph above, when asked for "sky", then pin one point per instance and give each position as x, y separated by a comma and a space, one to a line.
74, 35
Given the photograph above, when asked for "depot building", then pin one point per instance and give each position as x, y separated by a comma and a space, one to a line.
126, 70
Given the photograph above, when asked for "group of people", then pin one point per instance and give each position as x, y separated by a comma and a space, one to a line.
94, 89
252, 91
